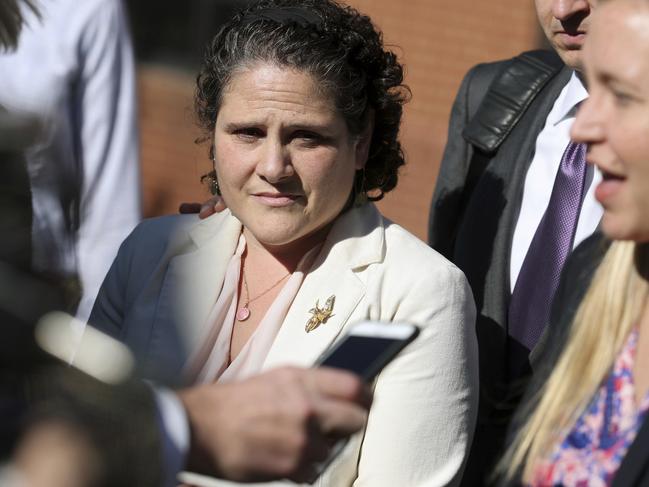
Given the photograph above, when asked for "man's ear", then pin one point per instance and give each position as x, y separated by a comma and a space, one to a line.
364, 141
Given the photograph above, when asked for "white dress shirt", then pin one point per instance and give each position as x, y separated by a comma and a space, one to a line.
550, 146
73, 70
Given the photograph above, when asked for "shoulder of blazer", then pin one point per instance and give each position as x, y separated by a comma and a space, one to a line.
508, 96
504, 98
497, 95
478, 80
160, 232
150, 244
407, 251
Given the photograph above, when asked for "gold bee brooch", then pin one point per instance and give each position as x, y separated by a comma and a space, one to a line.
320, 315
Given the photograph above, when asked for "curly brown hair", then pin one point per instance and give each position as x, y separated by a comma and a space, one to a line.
336, 45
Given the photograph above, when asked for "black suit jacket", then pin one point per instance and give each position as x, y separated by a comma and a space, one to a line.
476, 232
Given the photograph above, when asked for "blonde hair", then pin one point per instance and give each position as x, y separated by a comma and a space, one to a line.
608, 312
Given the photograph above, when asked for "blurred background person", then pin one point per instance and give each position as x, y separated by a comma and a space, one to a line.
73, 71
55, 437
584, 421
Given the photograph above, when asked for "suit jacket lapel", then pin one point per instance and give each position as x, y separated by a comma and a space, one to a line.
356, 240
194, 279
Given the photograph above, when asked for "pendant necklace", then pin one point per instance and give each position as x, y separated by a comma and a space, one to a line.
243, 313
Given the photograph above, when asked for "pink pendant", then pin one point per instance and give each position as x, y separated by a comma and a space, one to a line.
243, 314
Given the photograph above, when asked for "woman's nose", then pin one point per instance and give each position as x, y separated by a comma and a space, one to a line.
274, 162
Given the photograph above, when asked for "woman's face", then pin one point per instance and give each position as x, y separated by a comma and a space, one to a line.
614, 121
284, 158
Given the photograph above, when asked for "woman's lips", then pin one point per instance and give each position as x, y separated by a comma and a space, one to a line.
276, 200
610, 185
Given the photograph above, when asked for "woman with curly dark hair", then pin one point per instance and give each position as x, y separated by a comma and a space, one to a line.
302, 105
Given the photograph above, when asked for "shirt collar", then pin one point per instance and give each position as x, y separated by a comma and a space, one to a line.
571, 96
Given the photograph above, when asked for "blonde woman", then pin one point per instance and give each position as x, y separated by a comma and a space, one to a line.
581, 421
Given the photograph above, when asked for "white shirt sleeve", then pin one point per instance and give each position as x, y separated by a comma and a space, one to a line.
174, 429
105, 101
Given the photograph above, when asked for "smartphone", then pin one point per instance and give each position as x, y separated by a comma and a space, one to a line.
368, 347
365, 349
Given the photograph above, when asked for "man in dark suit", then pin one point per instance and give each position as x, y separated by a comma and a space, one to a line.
497, 185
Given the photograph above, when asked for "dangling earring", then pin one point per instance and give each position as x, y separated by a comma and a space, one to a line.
210, 177
214, 186
212, 182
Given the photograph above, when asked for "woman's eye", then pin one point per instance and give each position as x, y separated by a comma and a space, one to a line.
622, 99
307, 138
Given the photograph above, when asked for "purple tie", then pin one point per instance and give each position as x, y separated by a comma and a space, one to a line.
529, 308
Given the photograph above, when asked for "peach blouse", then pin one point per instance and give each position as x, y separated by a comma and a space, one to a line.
210, 362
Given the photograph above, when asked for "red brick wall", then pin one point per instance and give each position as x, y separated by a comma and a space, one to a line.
438, 40
171, 163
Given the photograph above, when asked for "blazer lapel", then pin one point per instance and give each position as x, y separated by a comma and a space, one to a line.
356, 240
194, 279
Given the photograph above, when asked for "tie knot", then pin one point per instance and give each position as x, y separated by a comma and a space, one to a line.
574, 155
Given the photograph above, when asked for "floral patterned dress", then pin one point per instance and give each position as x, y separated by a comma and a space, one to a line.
591, 453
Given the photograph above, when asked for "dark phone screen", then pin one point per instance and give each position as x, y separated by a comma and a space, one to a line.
363, 355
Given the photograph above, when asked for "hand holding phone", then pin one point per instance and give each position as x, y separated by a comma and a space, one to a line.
365, 350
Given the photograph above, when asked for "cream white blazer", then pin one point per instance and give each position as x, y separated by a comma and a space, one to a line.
168, 273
